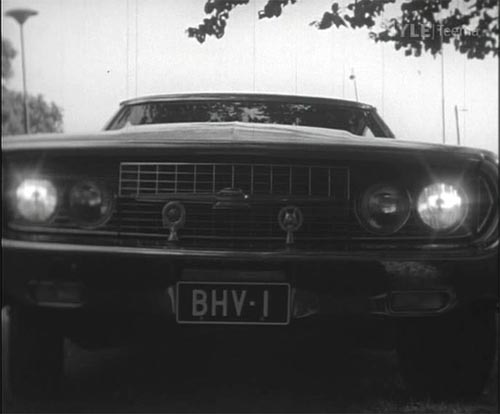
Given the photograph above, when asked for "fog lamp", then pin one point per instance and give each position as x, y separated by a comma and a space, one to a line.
36, 200
419, 301
90, 204
442, 206
56, 294
384, 209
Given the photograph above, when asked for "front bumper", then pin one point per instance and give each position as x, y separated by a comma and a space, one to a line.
325, 284
425, 252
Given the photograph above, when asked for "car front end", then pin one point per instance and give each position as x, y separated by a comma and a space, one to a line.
253, 227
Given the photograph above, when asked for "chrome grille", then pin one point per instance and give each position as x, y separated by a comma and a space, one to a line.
138, 179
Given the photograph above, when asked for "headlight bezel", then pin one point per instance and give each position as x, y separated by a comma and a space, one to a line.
105, 190
361, 202
14, 204
464, 194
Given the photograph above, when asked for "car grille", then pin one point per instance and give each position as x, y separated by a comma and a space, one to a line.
149, 179
260, 222
144, 187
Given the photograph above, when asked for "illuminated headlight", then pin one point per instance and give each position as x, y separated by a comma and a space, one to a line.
384, 209
36, 200
90, 204
442, 206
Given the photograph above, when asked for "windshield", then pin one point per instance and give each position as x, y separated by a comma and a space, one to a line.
357, 121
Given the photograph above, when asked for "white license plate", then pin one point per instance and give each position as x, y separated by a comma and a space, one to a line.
233, 303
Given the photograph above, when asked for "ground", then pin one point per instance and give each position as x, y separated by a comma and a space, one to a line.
216, 375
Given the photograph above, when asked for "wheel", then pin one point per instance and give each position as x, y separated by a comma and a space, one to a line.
33, 355
449, 356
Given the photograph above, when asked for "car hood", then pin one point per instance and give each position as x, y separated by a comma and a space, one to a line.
230, 136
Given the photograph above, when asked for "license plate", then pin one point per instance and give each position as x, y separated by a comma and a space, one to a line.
233, 303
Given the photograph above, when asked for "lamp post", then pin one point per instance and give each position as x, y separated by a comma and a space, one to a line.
21, 15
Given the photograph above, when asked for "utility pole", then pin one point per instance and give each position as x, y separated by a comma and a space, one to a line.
458, 125
443, 116
343, 80
464, 129
353, 78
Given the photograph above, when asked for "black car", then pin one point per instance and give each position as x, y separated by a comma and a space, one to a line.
258, 213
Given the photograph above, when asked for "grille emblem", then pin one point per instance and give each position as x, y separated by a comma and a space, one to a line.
290, 219
174, 217
230, 199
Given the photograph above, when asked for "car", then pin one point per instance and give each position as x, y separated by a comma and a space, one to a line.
257, 214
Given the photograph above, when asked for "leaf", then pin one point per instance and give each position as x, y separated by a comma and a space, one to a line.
369, 13
209, 7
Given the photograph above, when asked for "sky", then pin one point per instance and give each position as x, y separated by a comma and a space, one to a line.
88, 55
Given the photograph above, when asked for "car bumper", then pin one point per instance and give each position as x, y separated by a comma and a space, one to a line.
377, 251
323, 284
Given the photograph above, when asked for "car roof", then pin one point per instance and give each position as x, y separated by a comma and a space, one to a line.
245, 96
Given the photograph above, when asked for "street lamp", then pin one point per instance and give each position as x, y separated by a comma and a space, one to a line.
21, 15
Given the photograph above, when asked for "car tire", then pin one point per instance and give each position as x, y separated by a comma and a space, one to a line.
449, 356
34, 353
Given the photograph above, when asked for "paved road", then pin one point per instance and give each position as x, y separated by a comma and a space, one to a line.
214, 375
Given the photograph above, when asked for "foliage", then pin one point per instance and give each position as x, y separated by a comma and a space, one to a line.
44, 116
8, 53
418, 25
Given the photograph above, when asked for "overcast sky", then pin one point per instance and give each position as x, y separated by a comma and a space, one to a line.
88, 55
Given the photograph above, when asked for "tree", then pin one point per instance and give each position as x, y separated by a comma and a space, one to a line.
44, 116
418, 25
8, 53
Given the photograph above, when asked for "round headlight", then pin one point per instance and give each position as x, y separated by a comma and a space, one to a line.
36, 200
384, 209
90, 204
442, 206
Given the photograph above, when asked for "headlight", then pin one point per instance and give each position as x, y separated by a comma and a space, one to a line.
442, 206
90, 204
384, 209
36, 200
